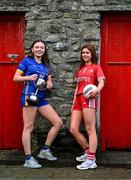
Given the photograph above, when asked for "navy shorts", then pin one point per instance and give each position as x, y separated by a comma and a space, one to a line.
41, 102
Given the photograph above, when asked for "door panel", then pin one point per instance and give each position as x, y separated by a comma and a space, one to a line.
116, 96
11, 42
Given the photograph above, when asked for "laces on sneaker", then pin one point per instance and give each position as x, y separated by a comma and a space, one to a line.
32, 163
88, 164
82, 158
46, 154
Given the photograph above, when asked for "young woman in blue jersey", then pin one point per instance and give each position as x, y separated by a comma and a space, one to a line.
36, 65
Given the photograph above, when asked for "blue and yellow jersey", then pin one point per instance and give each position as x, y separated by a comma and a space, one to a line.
29, 66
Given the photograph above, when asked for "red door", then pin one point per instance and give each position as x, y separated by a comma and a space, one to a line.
116, 96
11, 42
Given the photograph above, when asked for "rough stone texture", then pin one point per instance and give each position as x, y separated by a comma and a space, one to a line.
64, 25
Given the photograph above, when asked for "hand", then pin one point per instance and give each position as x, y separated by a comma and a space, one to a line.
32, 77
49, 85
93, 94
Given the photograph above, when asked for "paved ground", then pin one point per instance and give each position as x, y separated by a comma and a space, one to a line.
111, 165
19, 172
108, 159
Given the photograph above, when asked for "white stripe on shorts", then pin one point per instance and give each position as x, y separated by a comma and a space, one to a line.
92, 103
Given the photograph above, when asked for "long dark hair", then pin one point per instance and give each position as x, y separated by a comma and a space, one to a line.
44, 58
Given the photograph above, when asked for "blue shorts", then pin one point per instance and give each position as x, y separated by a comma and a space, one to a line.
41, 102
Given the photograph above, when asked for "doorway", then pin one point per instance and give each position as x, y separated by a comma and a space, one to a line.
11, 52
116, 96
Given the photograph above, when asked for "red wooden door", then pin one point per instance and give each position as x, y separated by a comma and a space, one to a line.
116, 96
11, 42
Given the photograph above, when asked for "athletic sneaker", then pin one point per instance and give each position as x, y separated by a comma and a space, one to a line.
88, 164
82, 158
46, 154
32, 163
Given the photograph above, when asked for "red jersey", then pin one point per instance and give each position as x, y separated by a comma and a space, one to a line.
88, 74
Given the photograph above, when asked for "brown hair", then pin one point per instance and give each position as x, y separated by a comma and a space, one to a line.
44, 58
92, 49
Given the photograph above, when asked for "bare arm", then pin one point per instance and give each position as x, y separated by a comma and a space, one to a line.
49, 83
101, 83
74, 96
18, 77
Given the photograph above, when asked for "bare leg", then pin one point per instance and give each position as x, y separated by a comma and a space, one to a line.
89, 119
28, 119
76, 119
50, 114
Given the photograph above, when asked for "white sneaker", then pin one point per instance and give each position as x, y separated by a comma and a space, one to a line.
32, 163
46, 154
88, 164
82, 158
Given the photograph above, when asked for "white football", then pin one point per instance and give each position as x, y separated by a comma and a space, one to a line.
87, 90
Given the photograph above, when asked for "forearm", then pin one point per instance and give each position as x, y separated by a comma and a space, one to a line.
20, 78
49, 83
100, 86
75, 94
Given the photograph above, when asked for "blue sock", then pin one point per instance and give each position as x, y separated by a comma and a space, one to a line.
45, 147
27, 157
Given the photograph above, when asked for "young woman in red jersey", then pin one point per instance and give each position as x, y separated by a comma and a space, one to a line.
89, 72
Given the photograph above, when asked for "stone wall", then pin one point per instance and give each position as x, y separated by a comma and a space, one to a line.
64, 25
